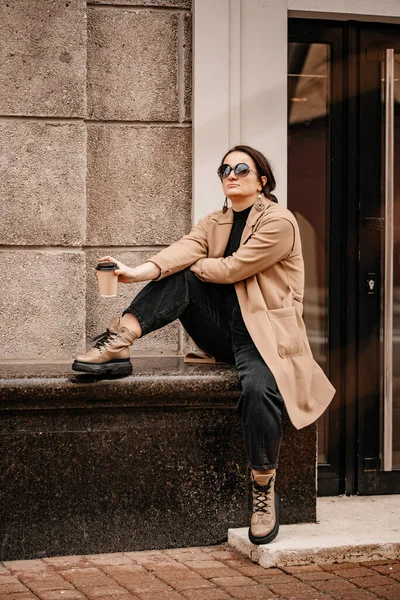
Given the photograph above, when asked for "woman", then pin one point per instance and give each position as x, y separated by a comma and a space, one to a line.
236, 283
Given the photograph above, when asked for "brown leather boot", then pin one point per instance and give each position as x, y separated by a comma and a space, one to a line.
264, 524
110, 352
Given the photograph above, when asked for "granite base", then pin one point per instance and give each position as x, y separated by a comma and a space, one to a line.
155, 460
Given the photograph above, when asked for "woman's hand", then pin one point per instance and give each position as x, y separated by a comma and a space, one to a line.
125, 273
144, 272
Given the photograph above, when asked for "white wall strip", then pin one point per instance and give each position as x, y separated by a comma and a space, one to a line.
264, 84
211, 102
235, 66
240, 70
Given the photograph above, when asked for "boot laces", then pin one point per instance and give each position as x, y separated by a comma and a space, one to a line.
104, 339
262, 497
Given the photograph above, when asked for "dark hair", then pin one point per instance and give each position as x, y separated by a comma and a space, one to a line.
263, 168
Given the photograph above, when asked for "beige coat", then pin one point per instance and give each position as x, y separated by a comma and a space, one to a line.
268, 273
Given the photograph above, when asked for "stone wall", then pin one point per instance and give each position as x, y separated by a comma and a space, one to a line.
95, 159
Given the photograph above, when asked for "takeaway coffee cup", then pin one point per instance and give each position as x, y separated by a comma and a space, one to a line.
107, 280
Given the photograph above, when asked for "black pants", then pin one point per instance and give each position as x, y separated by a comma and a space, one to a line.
211, 315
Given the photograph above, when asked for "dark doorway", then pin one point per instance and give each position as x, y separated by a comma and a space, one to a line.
344, 188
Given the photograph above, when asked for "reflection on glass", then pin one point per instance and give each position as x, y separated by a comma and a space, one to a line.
308, 163
396, 269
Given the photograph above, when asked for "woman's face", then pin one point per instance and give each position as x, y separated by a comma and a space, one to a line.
242, 187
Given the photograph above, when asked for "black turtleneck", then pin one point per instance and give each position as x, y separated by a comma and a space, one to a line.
239, 221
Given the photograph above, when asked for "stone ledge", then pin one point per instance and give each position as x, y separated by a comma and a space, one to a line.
165, 381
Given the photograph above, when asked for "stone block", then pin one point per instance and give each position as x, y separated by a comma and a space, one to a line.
42, 304
42, 183
139, 184
132, 65
43, 58
187, 65
167, 3
100, 310
154, 479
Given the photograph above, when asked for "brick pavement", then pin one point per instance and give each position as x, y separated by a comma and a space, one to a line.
208, 573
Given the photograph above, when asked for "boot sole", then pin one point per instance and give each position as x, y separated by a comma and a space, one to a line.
272, 534
111, 367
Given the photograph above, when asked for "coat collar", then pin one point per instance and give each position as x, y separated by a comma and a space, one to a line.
254, 216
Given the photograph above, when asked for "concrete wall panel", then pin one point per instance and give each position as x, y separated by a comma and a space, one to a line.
42, 304
100, 310
42, 183
43, 57
132, 65
139, 184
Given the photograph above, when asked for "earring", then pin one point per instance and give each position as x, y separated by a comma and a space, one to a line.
259, 205
225, 206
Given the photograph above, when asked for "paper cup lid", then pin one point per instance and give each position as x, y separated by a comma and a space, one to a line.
106, 266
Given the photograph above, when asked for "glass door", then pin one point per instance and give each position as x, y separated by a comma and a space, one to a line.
379, 314
315, 112
344, 188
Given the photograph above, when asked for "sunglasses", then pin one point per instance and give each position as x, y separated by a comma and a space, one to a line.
241, 170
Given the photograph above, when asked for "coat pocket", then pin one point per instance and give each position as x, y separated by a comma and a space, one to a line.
287, 332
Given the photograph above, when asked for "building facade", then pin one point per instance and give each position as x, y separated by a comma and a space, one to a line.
108, 148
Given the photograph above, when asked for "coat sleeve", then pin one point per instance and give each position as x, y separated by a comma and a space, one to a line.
183, 253
270, 243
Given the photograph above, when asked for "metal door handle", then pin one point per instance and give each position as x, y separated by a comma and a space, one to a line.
388, 277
